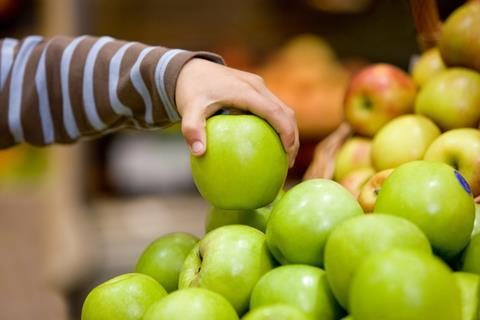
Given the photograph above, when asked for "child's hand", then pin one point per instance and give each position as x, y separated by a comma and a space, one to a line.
204, 87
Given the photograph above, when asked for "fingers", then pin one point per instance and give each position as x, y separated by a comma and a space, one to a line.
193, 130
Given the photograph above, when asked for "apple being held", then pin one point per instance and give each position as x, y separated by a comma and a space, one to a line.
355, 180
125, 297
354, 154
402, 140
301, 286
459, 148
164, 257
451, 99
469, 285
436, 198
376, 95
402, 284
277, 312
245, 165
459, 43
228, 260
302, 220
428, 65
193, 303
356, 239
369, 192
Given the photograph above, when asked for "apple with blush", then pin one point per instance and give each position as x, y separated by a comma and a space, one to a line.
371, 188
354, 154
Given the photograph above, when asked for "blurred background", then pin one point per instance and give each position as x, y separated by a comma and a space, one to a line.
73, 216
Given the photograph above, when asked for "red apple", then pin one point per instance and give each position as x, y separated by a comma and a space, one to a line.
354, 154
376, 95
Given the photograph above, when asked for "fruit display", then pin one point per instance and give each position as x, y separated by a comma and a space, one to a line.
394, 235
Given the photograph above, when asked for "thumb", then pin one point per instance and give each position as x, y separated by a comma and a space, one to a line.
193, 130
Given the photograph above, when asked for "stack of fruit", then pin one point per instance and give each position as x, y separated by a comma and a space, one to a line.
312, 252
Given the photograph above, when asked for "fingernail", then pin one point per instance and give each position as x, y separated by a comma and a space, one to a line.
197, 147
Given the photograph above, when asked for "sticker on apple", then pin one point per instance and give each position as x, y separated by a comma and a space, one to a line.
463, 182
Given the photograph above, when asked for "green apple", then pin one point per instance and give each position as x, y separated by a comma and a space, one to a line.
436, 198
404, 139
276, 312
347, 318
244, 166
189, 304
402, 284
228, 260
428, 65
371, 188
356, 239
164, 257
301, 286
256, 218
125, 297
476, 224
451, 99
459, 42
355, 180
470, 261
459, 148
354, 154
376, 95
469, 285
302, 220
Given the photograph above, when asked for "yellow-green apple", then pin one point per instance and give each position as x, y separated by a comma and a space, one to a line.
428, 65
476, 224
302, 220
470, 261
369, 192
436, 198
451, 99
301, 286
404, 139
348, 318
459, 148
356, 239
354, 154
376, 95
355, 180
244, 166
469, 285
192, 303
125, 297
402, 284
164, 257
228, 260
459, 42
277, 312
256, 218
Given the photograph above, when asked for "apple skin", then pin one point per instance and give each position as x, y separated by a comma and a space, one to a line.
355, 180
376, 95
125, 297
470, 261
368, 193
302, 220
404, 139
192, 303
164, 257
436, 198
459, 148
354, 154
301, 286
277, 312
356, 239
228, 260
451, 99
428, 65
476, 224
469, 285
459, 43
402, 284
256, 218
244, 166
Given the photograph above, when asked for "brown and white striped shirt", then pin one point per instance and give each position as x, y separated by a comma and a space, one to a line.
61, 89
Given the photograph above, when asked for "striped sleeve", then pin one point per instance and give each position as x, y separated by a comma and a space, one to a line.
61, 89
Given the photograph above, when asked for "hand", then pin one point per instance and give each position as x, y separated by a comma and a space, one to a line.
204, 87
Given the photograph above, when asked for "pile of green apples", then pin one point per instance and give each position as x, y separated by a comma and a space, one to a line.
395, 237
